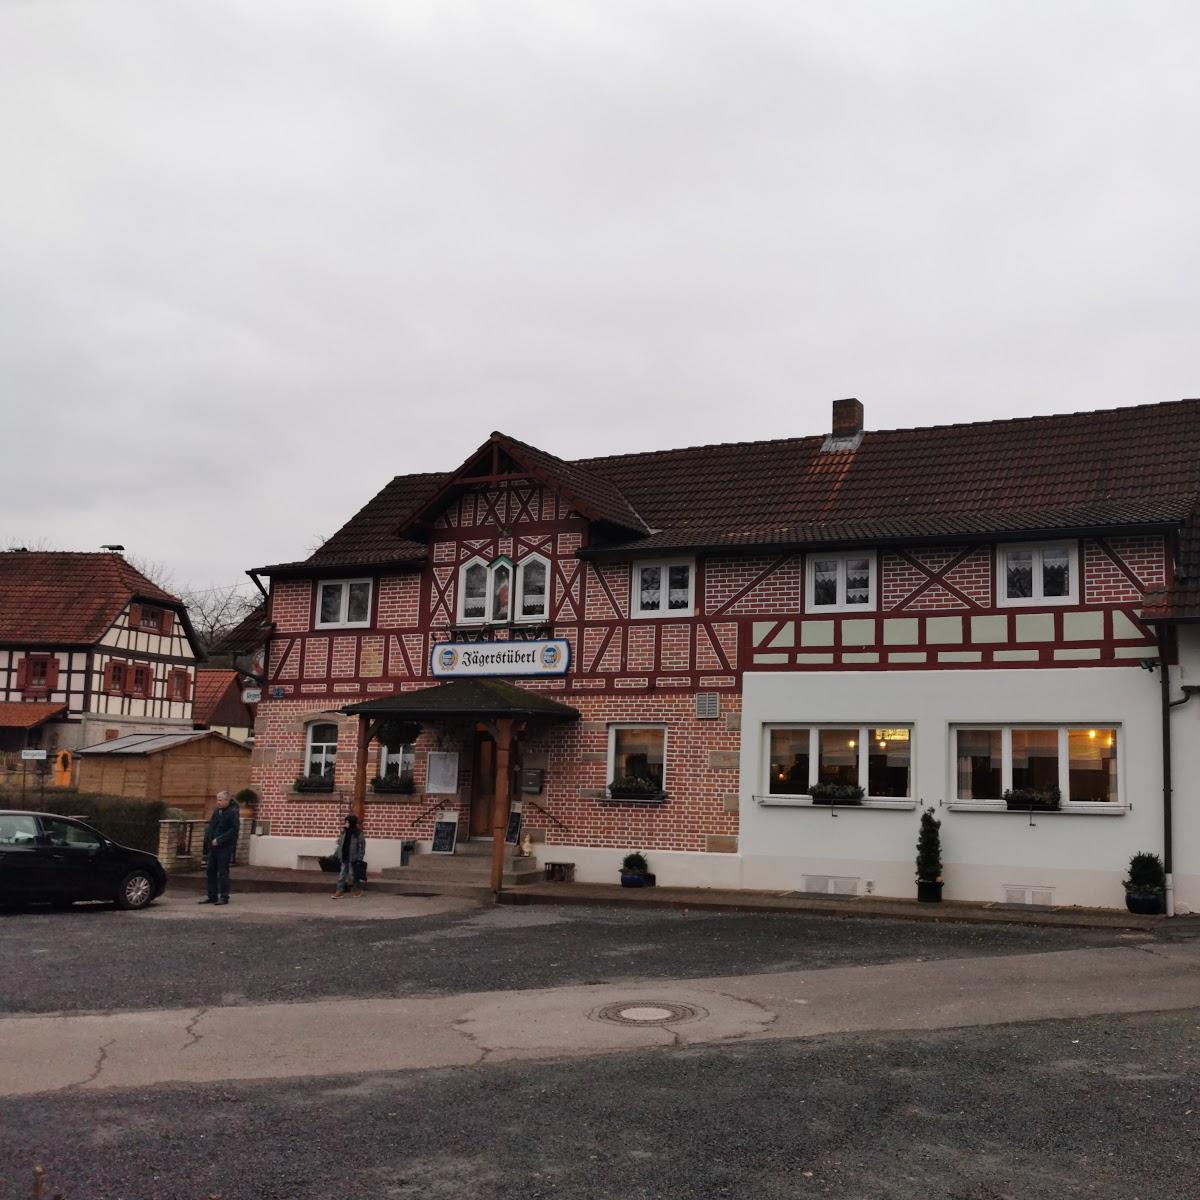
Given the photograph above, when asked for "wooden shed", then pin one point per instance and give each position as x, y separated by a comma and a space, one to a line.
184, 769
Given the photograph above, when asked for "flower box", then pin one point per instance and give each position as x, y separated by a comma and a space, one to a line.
1032, 800
313, 783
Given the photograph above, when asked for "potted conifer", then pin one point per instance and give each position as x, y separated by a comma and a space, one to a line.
1146, 887
929, 859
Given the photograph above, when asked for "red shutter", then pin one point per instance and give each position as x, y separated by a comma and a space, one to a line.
52, 673
168, 622
109, 669
187, 685
135, 615
23, 674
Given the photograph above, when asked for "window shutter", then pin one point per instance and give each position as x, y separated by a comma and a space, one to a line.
109, 671
52, 673
168, 622
135, 615
23, 674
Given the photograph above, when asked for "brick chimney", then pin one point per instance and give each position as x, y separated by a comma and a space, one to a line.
847, 418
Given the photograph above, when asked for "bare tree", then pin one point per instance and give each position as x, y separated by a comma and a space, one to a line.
217, 610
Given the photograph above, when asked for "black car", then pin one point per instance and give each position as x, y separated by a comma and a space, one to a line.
44, 857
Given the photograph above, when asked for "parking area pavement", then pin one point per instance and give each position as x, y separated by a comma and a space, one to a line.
265, 948
1075, 1109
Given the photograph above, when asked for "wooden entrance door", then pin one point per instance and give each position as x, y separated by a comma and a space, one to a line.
483, 786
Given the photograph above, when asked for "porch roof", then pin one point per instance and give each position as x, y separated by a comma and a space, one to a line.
465, 698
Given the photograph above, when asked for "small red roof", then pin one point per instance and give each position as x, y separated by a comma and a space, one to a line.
218, 699
68, 598
15, 714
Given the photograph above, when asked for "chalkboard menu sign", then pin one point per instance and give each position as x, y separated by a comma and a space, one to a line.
445, 834
512, 835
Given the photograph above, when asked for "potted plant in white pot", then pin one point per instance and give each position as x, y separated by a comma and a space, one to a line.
1146, 887
929, 859
635, 871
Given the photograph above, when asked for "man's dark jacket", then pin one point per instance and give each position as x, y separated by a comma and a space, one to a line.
223, 828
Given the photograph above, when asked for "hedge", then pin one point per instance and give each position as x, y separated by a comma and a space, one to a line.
127, 820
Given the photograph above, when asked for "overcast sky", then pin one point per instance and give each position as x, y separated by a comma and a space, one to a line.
261, 255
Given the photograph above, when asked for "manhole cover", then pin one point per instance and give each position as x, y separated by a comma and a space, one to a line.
647, 1012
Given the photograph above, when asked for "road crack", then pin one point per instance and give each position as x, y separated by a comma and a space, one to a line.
101, 1059
190, 1029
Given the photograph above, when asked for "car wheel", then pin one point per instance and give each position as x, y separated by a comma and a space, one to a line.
136, 890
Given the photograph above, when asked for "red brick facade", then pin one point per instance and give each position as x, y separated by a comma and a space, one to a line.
935, 609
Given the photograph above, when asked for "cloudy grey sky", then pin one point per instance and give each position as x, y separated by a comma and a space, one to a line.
261, 255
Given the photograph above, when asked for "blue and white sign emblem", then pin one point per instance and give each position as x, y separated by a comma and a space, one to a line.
457, 660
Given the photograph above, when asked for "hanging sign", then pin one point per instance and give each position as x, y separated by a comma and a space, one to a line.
457, 660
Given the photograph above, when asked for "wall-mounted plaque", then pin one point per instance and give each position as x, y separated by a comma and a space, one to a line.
441, 773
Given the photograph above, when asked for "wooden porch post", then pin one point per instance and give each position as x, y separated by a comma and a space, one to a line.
504, 731
358, 806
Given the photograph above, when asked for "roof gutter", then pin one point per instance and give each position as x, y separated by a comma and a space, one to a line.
625, 552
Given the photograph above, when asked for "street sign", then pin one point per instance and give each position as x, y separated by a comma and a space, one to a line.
251, 695
34, 755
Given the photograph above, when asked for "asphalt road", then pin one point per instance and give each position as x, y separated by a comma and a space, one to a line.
98, 959
1097, 1108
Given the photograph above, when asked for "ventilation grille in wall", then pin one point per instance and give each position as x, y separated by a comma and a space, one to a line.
708, 704
1031, 896
831, 885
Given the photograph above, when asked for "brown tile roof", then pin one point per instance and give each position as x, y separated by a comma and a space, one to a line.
217, 699
1135, 467
248, 635
62, 598
15, 714
1180, 602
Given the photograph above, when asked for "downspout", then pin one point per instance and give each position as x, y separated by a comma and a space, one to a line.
1164, 680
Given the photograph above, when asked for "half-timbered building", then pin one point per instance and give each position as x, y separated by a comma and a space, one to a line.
92, 636
772, 655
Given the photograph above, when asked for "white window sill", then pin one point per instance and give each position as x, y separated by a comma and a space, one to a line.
1035, 601
821, 610
807, 802
344, 625
1067, 810
663, 616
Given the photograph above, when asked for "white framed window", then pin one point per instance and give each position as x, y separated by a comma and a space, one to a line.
533, 589
396, 763
664, 589
1037, 573
485, 591
321, 751
876, 758
1039, 764
343, 603
637, 760
840, 581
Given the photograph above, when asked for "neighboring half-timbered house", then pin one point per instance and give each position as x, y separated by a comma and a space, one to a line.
776, 653
90, 633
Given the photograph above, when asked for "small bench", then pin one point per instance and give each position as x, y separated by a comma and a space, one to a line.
560, 872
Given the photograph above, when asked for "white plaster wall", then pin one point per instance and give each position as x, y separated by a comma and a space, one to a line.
268, 851
1083, 857
1185, 773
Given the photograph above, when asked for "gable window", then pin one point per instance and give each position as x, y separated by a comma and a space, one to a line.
533, 589
876, 758
840, 582
663, 589
1045, 763
1044, 573
485, 590
344, 604
321, 753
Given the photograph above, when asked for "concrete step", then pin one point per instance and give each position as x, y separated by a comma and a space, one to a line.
428, 871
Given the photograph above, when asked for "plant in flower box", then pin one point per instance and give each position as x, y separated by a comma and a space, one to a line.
634, 787
394, 783
1146, 887
836, 793
1033, 799
314, 783
635, 871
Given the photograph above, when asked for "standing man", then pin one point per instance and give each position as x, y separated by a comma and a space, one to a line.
220, 839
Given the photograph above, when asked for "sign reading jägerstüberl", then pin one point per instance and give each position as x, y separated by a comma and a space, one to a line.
455, 660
